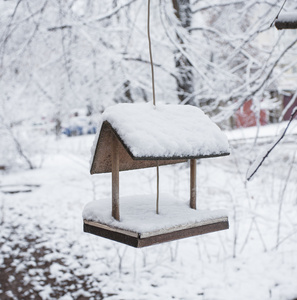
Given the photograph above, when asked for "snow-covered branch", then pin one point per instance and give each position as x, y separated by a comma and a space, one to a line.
259, 161
113, 11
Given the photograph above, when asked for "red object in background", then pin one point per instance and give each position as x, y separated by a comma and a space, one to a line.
245, 117
286, 101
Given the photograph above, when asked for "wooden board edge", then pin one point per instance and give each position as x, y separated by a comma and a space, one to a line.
112, 235
110, 228
285, 24
156, 232
182, 227
184, 233
138, 242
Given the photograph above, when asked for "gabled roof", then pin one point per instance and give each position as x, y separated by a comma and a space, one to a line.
167, 133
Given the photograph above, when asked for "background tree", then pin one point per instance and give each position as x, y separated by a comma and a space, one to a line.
60, 55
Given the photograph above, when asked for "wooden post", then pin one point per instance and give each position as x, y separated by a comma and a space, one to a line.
193, 183
158, 188
115, 178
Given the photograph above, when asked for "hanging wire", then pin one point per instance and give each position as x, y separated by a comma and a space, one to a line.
157, 200
150, 50
154, 96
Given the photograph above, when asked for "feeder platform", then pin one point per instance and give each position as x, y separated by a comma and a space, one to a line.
140, 226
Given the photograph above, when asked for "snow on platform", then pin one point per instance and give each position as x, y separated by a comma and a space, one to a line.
138, 214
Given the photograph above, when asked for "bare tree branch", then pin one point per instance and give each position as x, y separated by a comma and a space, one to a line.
293, 115
19, 147
59, 27
217, 5
113, 12
278, 13
148, 62
237, 94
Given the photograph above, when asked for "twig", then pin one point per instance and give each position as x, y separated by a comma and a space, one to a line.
293, 115
284, 239
281, 201
114, 11
212, 6
278, 13
59, 28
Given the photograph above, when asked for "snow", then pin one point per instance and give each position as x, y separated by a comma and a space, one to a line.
255, 258
164, 130
287, 17
265, 133
138, 214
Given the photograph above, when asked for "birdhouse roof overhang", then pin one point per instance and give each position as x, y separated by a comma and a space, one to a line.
147, 135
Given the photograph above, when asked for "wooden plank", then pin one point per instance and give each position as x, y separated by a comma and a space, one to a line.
285, 24
193, 183
147, 234
112, 235
182, 227
115, 179
109, 228
181, 234
136, 241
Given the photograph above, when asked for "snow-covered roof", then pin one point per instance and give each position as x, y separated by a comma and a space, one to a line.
287, 20
148, 133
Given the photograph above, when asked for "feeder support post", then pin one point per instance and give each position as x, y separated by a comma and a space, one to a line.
115, 178
193, 183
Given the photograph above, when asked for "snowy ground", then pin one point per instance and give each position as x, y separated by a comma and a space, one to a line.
45, 255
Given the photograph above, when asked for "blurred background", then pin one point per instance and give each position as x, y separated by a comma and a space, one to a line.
62, 63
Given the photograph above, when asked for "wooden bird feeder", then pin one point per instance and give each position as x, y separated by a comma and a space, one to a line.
136, 136
286, 21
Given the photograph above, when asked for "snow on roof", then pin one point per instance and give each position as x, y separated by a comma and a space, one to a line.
288, 16
287, 20
164, 131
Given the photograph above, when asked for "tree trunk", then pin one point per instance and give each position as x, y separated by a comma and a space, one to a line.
185, 87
